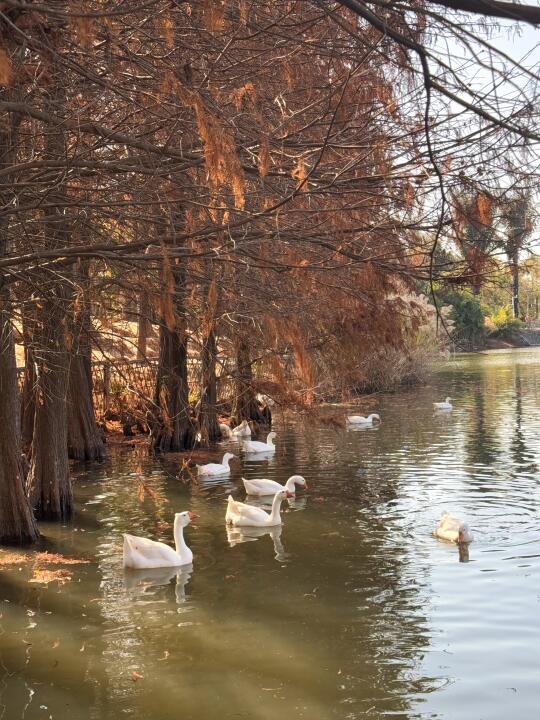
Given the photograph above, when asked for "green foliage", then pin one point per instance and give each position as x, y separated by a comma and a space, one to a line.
502, 323
466, 315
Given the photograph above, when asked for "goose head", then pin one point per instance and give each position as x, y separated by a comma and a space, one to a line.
296, 480
464, 534
228, 456
448, 400
271, 436
283, 494
374, 416
184, 518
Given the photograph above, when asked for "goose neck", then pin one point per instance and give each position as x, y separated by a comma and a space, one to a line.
179, 542
276, 508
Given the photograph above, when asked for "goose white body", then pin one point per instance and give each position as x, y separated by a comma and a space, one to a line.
221, 468
446, 405
453, 529
141, 553
242, 430
270, 487
254, 446
241, 515
361, 420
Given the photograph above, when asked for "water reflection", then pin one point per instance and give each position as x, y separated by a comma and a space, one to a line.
364, 614
144, 583
238, 535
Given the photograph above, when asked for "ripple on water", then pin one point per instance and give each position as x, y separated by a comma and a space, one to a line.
350, 609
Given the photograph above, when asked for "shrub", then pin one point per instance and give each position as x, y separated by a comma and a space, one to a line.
503, 324
468, 318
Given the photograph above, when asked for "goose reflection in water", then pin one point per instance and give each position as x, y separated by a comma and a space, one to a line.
145, 582
362, 428
296, 503
238, 535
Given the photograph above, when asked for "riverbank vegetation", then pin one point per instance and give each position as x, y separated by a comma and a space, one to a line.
262, 197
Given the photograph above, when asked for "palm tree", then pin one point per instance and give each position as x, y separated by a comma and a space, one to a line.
516, 214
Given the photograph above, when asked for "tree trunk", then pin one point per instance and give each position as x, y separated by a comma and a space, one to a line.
143, 324
515, 286
17, 523
207, 416
84, 438
172, 426
48, 480
245, 406
29, 388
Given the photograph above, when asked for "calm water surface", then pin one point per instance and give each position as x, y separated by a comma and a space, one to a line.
353, 610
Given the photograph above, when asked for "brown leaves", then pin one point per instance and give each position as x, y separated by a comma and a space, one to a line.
484, 208
168, 32
81, 26
46, 558
6, 71
264, 156
244, 95
11, 558
221, 159
213, 14
299, 173
242, 11
135, 676
40, 558
40, 574
47, 576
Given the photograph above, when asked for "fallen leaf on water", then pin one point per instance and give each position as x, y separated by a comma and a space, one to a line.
83, 646
9, 558
56, 643
46, 558
230, 577
136, 676
166, 654
47, 576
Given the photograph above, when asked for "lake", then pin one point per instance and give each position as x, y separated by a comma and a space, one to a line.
352, 610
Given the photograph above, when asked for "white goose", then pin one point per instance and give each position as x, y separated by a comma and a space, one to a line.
242, 515
361, 420
225, 430
453, 529
446, 405
242, 430
270, 487
254, 446
216, 468
140, 553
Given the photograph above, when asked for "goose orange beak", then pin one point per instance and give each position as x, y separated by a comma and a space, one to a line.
192, 515
289, 494
306, 486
